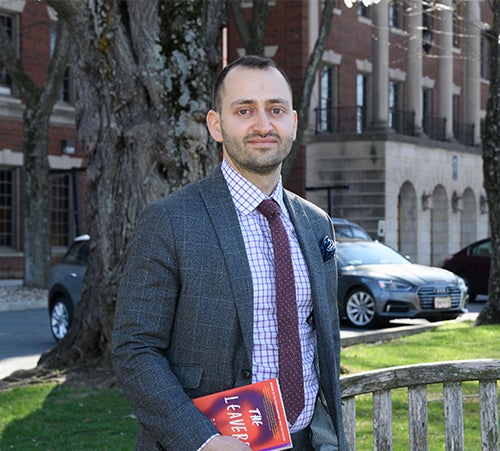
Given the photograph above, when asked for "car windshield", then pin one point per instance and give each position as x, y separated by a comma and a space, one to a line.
357, 253
78, 253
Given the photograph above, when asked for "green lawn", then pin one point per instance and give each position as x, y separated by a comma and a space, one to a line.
54, 417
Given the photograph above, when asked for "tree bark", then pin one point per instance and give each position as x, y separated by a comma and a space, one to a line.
39, 103
490, 314
252, 32
144, 71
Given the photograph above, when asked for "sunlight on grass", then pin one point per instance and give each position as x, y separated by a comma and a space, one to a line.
454, 341
56, 417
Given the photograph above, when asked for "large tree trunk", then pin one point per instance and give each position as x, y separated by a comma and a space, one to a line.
490, 314
144, 72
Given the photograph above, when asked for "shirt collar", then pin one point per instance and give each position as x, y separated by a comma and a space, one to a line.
246, 196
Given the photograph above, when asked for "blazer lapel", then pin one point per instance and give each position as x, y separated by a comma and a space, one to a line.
309, 245
222, 213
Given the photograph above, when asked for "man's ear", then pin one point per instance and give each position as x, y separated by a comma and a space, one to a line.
213, 123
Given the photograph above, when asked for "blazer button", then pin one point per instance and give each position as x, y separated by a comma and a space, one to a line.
247, 374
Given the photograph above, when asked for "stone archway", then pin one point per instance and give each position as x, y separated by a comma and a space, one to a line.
407, 220
468, 218
439, 226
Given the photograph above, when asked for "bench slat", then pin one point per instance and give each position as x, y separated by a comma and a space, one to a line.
453, 416
488, 399
382, 420
349, 416
418, 418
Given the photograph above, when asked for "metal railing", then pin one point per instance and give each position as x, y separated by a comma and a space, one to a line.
341, 120
463, 133
402, 121
434, 127
354, 120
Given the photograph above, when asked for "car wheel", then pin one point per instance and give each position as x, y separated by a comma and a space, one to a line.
360, 308
61, 315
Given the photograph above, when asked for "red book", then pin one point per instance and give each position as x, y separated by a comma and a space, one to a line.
253, 414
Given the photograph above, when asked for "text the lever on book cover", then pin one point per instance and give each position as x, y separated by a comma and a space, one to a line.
253, 414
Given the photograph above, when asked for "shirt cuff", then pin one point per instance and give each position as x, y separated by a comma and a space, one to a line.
206, 442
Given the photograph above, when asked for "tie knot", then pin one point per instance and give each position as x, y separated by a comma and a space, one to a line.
269, 208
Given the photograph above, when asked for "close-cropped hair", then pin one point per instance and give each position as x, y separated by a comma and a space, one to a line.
250, 62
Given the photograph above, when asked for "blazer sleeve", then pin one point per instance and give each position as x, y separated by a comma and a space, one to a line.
145, 312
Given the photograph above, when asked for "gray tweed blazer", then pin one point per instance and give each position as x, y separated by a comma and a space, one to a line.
184, 313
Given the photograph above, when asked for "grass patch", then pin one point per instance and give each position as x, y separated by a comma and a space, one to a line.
54, 417
57, 417
453, 341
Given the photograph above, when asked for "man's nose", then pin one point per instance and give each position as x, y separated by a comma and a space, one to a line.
262, 123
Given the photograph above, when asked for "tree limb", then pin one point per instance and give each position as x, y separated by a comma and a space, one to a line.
14, 67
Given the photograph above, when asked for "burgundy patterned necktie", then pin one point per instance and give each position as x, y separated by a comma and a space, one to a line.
289, 351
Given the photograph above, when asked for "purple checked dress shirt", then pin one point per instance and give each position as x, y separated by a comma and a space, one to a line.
258, 244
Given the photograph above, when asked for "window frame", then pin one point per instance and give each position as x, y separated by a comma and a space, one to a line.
6, 83
10, 237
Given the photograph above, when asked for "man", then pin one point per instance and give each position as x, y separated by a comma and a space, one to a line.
197, 307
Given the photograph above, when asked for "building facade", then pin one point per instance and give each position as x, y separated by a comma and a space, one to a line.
394, 127
393, 132
31, 28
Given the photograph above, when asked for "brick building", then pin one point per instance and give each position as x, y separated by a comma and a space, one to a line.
31, 27
395, 116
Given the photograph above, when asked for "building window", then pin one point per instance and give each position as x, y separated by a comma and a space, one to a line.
67, 93
361, 102
363, 11
456, 25
8, 208
60, 203
9, 23
395, 99
396, 14
427, 111
485, 57
328, 99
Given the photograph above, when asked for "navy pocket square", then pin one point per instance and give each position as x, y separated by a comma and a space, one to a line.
327, 248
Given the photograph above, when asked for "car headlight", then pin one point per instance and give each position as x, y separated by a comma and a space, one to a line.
461, 283
394, 285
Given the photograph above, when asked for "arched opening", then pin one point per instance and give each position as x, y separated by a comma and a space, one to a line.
407, 220
468, 218
439, 226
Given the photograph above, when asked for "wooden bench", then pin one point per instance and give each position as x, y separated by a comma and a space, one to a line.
416, 378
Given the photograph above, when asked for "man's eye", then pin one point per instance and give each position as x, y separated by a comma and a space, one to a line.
244, 112
277, 111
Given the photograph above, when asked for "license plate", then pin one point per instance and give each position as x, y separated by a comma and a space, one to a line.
442, 302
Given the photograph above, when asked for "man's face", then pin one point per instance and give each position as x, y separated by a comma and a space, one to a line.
256, 123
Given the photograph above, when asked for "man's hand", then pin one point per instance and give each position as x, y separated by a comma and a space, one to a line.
226, 443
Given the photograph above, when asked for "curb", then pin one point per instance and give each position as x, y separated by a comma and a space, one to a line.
7, 306
385, 335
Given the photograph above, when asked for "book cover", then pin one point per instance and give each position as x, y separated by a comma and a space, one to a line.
253, 414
